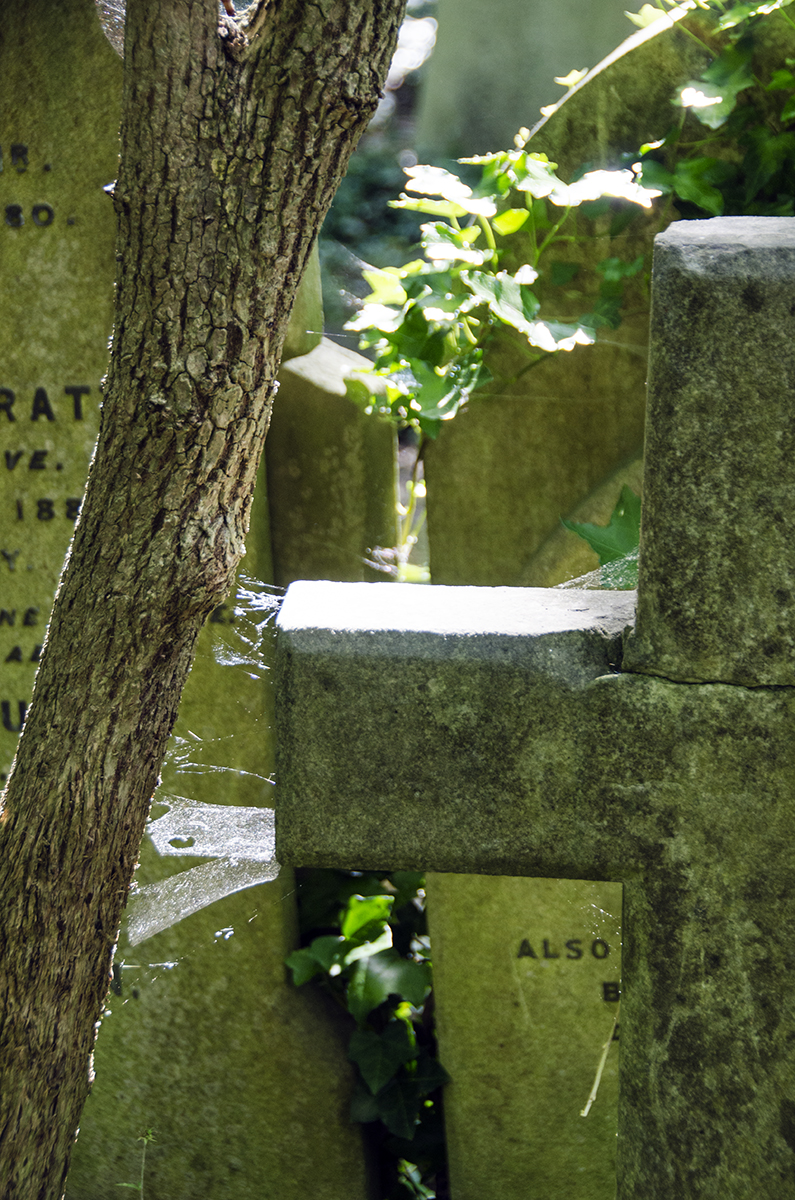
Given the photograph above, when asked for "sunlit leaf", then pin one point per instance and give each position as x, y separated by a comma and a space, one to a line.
509, 221
432, 208
594, 184
517, 306
320, 956
534, 173
386, 287
435, 181
741, 12
361, 911
714, 95
376, 316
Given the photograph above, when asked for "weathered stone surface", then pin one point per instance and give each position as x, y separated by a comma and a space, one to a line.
564, 555
58, 148
717, 555
626, 100
487, 78
526, 451
526, 983
444, 685
513, 763
332, 472
306, 320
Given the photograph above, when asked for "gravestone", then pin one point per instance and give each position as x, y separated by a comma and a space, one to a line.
58, 148
538, 733
485, 79
332, 471
539, 964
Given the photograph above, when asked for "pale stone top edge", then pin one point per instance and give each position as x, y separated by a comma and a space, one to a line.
725, 234
451, 611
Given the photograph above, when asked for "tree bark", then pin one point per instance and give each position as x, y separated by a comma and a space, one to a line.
231, 152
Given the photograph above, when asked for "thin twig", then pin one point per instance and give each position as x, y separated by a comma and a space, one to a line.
605, 1050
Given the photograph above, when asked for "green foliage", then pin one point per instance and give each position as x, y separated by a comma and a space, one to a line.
492, 252
617, 542
738, 158
430, 321
376, 965
620, 536
144, 1139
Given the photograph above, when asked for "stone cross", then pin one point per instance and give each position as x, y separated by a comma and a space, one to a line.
560, 734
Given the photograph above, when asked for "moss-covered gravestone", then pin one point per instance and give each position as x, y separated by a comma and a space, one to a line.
561, 735
489, 77
58, 148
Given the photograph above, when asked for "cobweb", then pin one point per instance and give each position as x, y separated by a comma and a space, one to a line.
619, 576
111, 18
240, 840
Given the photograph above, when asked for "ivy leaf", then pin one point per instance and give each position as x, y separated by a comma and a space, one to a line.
429, 1074
386, 285
693, 181
596, 184
315, 959
386, 974
380, 1055
534, 173
432, 208
398, 1107
714, 96
376, 316
781, 79
440, 241
655, 174
435, 181
614, 270
363, 1104
621, 536
767, 153
508, 299
561, 273
571, 79
363, 911
365, 949
741, 12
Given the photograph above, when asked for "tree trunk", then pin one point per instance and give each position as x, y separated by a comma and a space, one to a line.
231, 152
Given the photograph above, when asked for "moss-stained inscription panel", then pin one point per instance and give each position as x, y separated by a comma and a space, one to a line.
58, 149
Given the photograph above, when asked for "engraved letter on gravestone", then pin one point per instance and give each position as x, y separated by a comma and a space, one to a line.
56, 289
